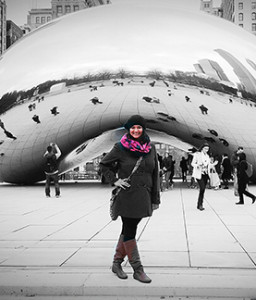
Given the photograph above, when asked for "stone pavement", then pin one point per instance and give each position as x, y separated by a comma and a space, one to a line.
64, 246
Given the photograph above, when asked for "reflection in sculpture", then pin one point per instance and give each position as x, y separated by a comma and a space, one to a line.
83, 84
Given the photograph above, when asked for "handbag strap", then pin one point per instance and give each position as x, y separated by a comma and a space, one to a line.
135, 167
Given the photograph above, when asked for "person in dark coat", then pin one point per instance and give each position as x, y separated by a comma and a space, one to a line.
138, 197
227, 170
184, 168
243, 179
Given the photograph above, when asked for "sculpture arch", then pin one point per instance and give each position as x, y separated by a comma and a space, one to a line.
189, 88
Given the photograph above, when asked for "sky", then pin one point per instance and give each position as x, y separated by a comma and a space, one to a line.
17, 10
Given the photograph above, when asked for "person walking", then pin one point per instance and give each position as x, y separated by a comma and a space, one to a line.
184, 168
243, 179
200, 165
51, 169
167, 168
138, 197
234, 162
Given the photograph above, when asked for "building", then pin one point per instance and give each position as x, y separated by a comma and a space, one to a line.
212, 7
63, 7
240, 12
13, 33
227, 10
38, 17
247, 80
212, 69
2, 26
244, 15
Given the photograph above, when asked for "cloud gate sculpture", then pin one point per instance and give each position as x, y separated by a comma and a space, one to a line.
75, 80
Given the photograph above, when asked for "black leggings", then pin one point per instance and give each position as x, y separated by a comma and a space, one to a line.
202, 185
129, 228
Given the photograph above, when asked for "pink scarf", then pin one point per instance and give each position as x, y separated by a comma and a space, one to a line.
133, 145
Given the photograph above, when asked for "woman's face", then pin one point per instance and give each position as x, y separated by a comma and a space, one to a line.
205, 149
136, 131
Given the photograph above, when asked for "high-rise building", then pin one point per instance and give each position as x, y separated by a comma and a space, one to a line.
247, 81
212, 69
14, 32
228, 10
2, 26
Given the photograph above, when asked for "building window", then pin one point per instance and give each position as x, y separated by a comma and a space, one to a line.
254, 27
253, 16
254, 5
76, 7
67, 9
59, 9
42, 20
240, 5
207, 5
241, 25
48, 19
37, 20
240, 17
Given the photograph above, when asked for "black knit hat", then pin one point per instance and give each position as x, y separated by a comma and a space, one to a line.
135, 120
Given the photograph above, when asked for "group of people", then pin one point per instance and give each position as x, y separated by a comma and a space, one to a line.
202, 165
139, 192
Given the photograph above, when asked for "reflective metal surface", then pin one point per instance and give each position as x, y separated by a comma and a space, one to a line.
191, 75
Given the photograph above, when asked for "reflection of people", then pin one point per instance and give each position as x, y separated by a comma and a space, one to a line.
243, 179
36, 119
212, 173
200, 164
138, 197
2, 124
51, 169
10, 135
204, 109
54, 111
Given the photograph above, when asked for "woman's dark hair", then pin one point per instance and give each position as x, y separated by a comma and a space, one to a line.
203, 145
242, 156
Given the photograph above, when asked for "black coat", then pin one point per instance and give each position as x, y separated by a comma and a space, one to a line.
241, 172
136, 201
227, 168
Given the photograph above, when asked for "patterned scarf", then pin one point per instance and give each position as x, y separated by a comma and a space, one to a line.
135, 146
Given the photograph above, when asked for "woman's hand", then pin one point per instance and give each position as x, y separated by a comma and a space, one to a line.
155, 206
122, 183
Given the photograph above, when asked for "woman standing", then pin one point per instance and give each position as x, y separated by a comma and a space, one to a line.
200, 165
243, 179
138, 197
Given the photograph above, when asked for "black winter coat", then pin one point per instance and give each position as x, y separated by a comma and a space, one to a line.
241, 172
136, 201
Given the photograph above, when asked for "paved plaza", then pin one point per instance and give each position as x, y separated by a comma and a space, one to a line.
64, 246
